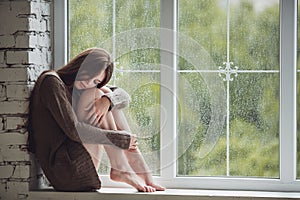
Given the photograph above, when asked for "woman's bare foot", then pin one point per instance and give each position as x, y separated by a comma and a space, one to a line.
131, 179
156, 187
147, 177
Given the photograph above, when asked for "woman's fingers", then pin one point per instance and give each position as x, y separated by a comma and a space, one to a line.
133, 143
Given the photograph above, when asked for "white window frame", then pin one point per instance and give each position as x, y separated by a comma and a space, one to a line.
288, 95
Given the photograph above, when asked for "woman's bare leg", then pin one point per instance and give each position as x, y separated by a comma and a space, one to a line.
120, 169
95, 151
135, 157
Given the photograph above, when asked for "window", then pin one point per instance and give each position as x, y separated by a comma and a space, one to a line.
213, 85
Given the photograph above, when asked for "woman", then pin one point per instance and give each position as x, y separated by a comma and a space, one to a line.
67, 147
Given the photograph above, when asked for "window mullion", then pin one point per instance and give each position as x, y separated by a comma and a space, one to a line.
168, 88
288, 78
60, 33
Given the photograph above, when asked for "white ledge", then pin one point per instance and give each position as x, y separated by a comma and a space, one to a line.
169, 194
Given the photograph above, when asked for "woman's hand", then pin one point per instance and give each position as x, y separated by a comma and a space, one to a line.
98, 110
133, 142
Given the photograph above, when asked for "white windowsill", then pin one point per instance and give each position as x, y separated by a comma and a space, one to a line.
172, 194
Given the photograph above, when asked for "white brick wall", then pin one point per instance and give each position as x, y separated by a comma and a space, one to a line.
25, 51
18, 91
1, 57
15, 123
13, 74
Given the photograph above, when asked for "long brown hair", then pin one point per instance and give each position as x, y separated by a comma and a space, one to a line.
86, 65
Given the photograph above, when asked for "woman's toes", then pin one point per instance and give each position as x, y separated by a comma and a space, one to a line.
149, 189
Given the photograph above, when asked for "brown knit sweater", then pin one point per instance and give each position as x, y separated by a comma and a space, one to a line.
58, 137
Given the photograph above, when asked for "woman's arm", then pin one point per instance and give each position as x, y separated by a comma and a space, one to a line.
55, 99
86, 101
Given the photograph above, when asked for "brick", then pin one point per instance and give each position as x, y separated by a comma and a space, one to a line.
13, 74
24, 57
2, 92
7, 41
35, 8
9, 12
44, 39
6, 171
26, 40
11, 24
13, 123
2, 189
2, 61
45, 9
12, 154
48, 23
13, 139
17, 190
34, 73
1, 124
38, 25
49, 57
21, 171
13, 107
21, 7
5, 16
17, 91
2, 57
15, 57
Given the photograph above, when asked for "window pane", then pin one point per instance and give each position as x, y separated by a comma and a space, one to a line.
137, 14
132, 15
194, 116
143, 114
298, 95
254, 125
90, 24
205, 22
252, 106
298, 118
254, 34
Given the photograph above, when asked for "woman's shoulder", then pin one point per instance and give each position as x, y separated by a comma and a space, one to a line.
49, 78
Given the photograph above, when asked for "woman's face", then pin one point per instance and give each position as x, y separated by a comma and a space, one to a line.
90, 82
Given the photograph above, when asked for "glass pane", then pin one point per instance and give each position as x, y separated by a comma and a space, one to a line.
194, 117
298, 95
252, 106
254, 34
205, 22
254, 125
298, 121
142, 59
137, 14
133, 15
90, 24
143, 114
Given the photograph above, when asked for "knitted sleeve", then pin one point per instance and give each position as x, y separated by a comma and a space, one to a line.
119, 98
